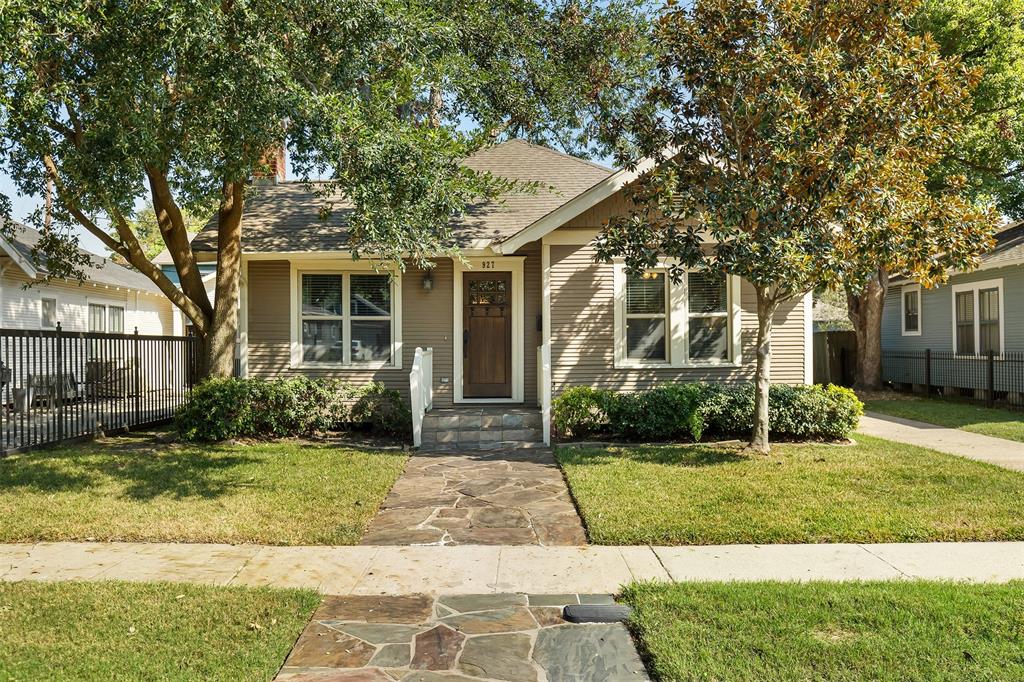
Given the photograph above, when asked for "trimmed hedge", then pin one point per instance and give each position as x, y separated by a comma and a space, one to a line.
219, 409
691, 411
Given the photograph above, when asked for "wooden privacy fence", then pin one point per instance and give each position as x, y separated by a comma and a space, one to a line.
57, 385
992, 378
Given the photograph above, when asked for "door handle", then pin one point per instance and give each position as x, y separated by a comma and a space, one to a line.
465, 343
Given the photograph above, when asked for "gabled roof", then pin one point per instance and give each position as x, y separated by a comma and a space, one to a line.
1009, 246
286, 217
100, 270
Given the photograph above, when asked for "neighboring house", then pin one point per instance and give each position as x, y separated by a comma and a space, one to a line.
961, 322
111, 299
529, 281
181, 323
970, 315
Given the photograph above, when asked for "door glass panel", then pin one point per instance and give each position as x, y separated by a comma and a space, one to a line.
371, 296
371, 340
487, 292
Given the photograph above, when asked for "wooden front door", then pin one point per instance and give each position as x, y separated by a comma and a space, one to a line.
487, 335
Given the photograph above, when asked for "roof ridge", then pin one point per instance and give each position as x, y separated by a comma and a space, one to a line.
559, 154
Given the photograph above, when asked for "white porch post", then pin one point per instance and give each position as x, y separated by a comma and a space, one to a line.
544, 389
243, 320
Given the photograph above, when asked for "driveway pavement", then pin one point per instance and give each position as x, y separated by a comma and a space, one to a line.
1008, 454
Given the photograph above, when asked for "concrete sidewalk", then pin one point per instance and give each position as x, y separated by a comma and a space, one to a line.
475, 569
1008, 454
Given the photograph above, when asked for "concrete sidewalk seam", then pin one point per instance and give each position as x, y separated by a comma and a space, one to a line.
661, 562
886, 562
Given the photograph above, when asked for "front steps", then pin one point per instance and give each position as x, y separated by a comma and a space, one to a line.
484, 427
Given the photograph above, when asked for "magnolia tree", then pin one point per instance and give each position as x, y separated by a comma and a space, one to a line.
984, 163
180, 102
790, 135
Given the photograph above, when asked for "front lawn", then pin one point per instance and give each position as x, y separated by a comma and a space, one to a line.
831, 631
136, 631
956, 415
874, 491
135, 489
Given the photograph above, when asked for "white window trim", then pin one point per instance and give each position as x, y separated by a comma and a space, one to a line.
904, 290
678, 321
56, 311
975, 287
344, 267
513, 264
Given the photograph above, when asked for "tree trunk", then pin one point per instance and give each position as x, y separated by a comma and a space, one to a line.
766, 307
865, 312
221, 340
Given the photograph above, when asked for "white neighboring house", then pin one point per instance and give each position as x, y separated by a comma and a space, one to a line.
112, 299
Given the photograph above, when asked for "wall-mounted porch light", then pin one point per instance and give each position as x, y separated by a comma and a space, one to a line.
428, 281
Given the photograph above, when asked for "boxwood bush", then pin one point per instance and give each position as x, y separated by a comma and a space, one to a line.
219, 409
691, 411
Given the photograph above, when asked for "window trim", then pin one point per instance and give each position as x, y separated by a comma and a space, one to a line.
56, 312
975, 287
909, 289
345, 269
678, 314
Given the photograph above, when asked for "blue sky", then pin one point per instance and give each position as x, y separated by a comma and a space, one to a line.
22, 206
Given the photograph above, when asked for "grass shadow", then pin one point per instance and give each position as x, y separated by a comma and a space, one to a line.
693, 455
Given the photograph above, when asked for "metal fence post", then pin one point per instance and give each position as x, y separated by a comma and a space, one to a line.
990, 394
59, 343
138, 377
928, 372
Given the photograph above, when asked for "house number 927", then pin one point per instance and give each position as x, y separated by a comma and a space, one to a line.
487, 265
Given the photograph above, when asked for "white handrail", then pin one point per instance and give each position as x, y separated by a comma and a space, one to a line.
421, 390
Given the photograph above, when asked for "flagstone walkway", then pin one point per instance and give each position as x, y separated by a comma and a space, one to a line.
508, 497
508, 637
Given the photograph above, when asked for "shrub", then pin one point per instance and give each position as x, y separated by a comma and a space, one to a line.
689, 411
219, 409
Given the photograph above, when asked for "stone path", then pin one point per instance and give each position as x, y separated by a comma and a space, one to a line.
478, 569
507, 497
1008, 454
509, 637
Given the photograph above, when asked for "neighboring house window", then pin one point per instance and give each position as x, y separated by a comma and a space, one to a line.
97, 318
977, 317
49, 313
115, 319
347, 318
647, 316
911, 310
676, 324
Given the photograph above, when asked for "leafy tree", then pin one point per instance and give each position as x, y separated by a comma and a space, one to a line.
789, 134
146, 228
985, 162
182, 101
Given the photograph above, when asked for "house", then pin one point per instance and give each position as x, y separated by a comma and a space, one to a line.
967, 318
208, 271
527, 314
112, 298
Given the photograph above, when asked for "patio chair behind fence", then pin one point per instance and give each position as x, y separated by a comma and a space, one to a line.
990, 378
57, 385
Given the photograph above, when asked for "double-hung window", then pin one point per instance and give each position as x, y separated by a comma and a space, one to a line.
347, 318
676, 324
977, 318
911, 310
106, 318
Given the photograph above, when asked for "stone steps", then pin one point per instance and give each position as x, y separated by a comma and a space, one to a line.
482, 428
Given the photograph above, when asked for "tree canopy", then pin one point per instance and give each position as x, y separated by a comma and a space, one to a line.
794, 139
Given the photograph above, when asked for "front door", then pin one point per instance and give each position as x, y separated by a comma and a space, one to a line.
487, 335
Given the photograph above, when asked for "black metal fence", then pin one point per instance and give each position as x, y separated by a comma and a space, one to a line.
991, 378
57, 385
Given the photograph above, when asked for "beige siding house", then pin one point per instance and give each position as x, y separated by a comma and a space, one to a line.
524, 315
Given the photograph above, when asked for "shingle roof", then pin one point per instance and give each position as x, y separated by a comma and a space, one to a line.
1009, 245
286, 216
100, 270
164, 257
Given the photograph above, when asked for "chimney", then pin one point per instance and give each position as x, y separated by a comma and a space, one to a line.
272, 167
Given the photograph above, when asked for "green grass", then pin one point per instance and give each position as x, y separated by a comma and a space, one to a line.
135, 489
874, 491
156, 631
831, 631
953, 414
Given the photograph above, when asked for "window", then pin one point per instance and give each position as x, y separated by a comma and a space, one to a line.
347, 318
48, 313
708, 322
115, 319
912, 310
646, 316
97, 318
678, 324
977, 318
